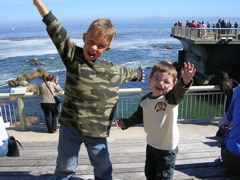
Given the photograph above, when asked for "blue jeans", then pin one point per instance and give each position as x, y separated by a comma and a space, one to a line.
160, 164
68, 149
4, 148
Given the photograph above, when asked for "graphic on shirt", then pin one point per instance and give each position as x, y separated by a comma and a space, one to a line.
160, 106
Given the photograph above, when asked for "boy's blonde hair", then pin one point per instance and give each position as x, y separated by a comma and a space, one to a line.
166, 68
103, 27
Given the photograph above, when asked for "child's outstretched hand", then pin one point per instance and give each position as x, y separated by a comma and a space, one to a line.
41, 7
187, 72
119, 123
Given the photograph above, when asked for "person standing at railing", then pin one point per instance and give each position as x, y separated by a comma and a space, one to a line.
91, 94
227, 86
193, 25
4, 139
188, 24
230, 149
236, 26
229, 25
203, 31
223, 25
158, 111
208, 25
48, 104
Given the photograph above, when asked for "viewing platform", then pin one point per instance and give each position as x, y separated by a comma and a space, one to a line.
198, 158
211, 50
207, 35
199, 150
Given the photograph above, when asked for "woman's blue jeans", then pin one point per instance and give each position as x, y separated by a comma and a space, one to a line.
68, 149
4, 148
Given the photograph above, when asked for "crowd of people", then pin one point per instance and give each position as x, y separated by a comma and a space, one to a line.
91, 94
226, 27
221, 23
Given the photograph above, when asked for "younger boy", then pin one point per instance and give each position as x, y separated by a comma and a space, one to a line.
91, 94
158, 110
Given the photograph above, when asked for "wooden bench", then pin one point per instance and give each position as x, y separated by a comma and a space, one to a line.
211, 35
198, 158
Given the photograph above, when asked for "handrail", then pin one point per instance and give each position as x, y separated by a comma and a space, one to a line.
121, 91
146, 90
21, 104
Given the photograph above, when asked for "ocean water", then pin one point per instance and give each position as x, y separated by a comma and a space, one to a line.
136, 43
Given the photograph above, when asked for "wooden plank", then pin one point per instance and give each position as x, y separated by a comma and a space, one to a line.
198, 158
211, 32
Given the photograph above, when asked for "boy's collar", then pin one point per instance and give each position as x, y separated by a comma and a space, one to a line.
154, 97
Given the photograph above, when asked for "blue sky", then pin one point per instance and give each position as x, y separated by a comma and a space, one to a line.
23, 11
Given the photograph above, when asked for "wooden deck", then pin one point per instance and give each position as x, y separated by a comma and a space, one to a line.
198, 158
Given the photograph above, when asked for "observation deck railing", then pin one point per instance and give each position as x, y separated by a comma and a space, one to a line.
208, 35
202, 102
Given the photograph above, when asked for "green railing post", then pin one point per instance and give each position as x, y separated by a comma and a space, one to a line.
21, 112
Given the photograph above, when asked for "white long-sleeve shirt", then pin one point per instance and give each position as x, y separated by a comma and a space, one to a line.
159, 116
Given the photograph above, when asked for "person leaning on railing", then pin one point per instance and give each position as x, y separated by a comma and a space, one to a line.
230, 149
48, 105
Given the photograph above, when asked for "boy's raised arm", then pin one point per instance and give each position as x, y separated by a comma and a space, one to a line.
41, 7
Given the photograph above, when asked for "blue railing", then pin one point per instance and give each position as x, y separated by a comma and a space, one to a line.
202, 102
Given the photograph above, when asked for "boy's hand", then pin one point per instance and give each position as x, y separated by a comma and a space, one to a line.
36, 2
41, 7
187, 72
143, 74
119, 123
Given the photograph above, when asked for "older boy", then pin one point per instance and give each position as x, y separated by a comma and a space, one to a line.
158, 110
91, 94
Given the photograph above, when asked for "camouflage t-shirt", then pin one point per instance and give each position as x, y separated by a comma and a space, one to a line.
91, 89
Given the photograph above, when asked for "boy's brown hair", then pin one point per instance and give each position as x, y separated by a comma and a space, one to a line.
103, 27
166, 68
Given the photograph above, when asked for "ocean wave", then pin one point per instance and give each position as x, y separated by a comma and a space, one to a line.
35, 46
143, 43
27, 47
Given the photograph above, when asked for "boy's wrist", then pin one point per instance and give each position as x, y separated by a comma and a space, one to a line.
186, 84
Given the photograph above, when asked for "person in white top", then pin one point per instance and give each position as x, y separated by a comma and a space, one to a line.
158, 111
203, 31
4, 139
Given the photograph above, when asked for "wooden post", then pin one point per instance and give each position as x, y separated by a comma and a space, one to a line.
21, 112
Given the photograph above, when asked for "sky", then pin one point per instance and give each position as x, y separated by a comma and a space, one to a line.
14, 12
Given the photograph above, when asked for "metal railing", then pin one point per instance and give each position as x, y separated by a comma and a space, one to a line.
202, 102
210, 34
